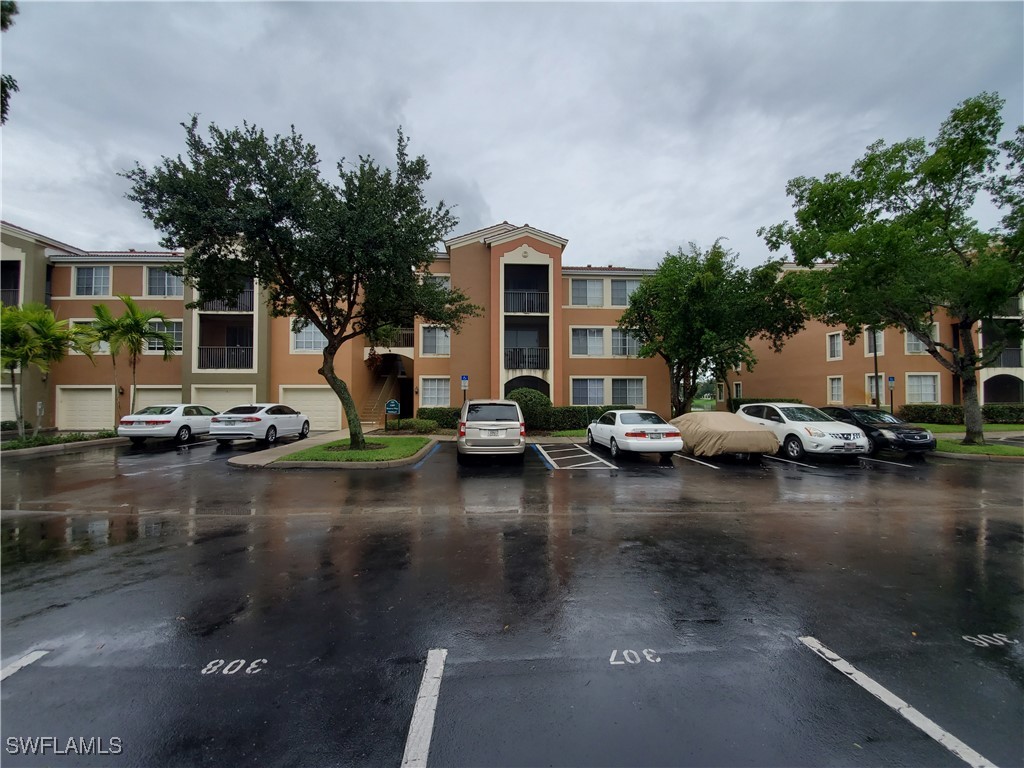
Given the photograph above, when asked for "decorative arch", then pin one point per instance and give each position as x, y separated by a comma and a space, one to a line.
528, 382
1004, 388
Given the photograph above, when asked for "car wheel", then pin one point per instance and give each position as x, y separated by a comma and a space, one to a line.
184, 434
793, 448
613, 447
590, 439
137, 440
271, 436
223, 442
304, 433
872, 446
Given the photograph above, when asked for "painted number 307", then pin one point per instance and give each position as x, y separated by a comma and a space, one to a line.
983, 641
233, 666
632, 657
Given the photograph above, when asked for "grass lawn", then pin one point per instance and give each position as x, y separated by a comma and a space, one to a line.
941, 429
377, 449
570, 433
953, 446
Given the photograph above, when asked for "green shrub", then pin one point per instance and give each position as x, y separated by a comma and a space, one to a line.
12, 426
1003, 413
422, 426
568, 417
931, 413
445, 418
40, 440
738, 401
536, 407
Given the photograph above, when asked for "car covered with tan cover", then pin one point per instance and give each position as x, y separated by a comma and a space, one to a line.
711, 433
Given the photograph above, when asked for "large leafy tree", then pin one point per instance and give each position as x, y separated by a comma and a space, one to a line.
348, 258
131, 332
8, 85
698, 311
898, 241
33, 336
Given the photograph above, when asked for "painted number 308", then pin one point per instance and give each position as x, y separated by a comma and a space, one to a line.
983, 641
632, 657
233, 667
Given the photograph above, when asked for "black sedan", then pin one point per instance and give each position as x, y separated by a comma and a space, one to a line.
884, 430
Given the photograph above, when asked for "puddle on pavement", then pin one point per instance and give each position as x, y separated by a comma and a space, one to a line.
41, 539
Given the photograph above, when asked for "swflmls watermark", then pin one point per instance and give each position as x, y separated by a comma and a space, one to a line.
73, 745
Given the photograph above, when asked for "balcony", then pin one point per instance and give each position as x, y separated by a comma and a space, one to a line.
241, 303
1009, 358
225, 358
527, 302
526, 358
9, 297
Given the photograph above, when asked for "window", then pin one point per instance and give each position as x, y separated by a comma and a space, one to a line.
587, 293
436, 341
624, 343
588, 391
835, 389
622, 290
309, 339
588, 341
160, 282
628, 391
737, 389
915, 346
835, 346
101, 347
875, 386
173, 327
92, 281
873, 340
922, 388
720, 391
445, 281
435, 392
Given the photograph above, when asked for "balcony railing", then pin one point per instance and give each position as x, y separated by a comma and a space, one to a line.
535, 302
406, 337
241, 303
1009, 358
9, 296
1011, 308
519, 358
225, 358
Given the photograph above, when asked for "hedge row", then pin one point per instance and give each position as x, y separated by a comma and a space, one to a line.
994, 413
6, 426
421, 426
445, 418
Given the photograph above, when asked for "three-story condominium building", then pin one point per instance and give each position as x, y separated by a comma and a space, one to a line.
543, 325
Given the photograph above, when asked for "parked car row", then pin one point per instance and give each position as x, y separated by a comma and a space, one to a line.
255, 421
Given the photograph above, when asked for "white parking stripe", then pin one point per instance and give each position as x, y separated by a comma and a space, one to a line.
697, 461
585, 464
24, 661
417, 744
884, 695
787, 461
565, 450
882, 461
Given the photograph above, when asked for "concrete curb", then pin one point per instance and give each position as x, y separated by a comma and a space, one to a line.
416, 457
81, 445
977, 457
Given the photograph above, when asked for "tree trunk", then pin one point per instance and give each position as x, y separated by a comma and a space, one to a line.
133, 362
117, 396
16, 396
969, 389
356, 441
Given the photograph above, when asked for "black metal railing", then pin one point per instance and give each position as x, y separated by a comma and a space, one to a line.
241, 303
1011, 308
9, 296
1009, 358
535, 302
519, 358
225, 358
406, 337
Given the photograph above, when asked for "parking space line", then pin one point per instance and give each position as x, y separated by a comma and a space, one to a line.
24, 661
584, 464
696, 461
565, 450
417, 744
890, 699
548, 462
882, 461
788, 461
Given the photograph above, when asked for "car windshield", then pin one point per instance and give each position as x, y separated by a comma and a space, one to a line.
492, 412
640, 418
805, 413
244, 409
877, 417
157, 410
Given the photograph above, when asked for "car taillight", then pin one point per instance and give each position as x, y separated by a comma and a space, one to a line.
251, 418
636, 434
462, 429
156, 422
673, 434
126, 422
522, 429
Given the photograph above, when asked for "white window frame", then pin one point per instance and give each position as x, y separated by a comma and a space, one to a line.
423, 341
103, 348
879, 339
883, 382
74, 277
720, 391
572, 390
909, 338
929, 374
626, 338
294, 347
446, 388
643, 389
591, 334
588, 280
159, 350
828, 346
830, 395
629, 292
180, 283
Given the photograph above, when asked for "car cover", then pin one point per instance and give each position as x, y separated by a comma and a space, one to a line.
709, 433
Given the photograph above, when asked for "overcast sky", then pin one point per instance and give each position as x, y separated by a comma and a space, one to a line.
629, 129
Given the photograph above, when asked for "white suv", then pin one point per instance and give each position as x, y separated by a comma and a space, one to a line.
491, 427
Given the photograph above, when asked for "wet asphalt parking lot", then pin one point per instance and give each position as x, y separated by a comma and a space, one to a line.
160, 608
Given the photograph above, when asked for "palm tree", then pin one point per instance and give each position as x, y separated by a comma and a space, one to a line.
132, 332
32, 335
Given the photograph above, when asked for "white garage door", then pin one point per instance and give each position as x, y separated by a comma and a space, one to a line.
222, 398
7, 403
320, 404
85, 409
145, 396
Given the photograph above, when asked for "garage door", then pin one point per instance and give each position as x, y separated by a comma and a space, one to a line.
156, 396
222, 398
7, 403
320, 404
85, 409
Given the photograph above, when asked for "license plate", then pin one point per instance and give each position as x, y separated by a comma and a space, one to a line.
655, 436
494, 432
850, 446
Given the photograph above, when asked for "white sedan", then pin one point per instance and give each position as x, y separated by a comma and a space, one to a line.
639, 431
258, 421
802, 429
173, 420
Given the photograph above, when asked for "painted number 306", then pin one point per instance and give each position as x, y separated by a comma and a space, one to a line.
233, 666
983, 641
632, 657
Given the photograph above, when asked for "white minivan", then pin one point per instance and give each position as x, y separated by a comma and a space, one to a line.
491, 428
